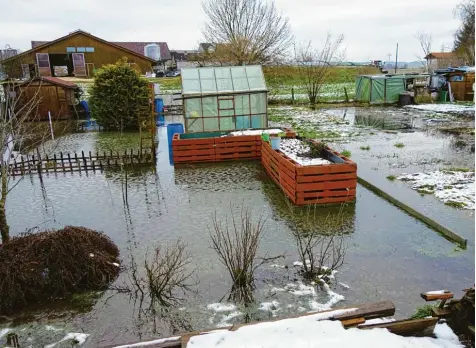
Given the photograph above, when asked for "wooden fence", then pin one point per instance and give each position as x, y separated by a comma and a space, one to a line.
63, 163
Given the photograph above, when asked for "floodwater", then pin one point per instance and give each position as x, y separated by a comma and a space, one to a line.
390, 255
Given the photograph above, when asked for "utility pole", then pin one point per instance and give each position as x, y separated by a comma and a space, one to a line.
389, 56
396, 59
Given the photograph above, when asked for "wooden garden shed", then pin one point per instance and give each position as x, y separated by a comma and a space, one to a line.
76, 54
54, 95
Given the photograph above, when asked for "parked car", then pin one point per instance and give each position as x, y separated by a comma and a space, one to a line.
173, 73
159, 74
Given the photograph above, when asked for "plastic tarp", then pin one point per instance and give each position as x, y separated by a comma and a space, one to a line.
378, 91
362, 92
395, 86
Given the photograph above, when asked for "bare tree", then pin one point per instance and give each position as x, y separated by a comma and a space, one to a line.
464, 36
246, 31
321, 246
237, 247
315, 65
425, 39
16, 114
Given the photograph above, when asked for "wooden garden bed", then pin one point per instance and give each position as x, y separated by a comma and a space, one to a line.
216, 149
315, 184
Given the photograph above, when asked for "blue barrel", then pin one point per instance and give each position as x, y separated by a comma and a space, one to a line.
172, 129
159, 109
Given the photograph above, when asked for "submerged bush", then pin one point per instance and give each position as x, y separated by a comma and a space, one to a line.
50, 265
119, 97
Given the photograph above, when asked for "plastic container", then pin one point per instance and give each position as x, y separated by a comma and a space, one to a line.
159, 109
275, 143
172, 129
265, 137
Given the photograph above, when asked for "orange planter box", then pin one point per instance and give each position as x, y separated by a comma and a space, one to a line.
323, 184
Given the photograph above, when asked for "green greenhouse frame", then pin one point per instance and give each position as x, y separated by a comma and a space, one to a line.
382, 89
224, 98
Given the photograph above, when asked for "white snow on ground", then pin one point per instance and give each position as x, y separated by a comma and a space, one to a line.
80, 337
150, 343
256, 132
447, 186
221, 307
443, 331
333, 299
293, 147
271, 307
448, 108
345, 286
3, 332
300, 289
315, 331
225, 320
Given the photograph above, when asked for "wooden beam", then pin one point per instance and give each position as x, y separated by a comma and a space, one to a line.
416, 327
434, 295
370, 311
352, 322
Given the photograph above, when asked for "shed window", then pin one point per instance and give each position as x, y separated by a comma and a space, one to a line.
89, 49
70, 49
80, 49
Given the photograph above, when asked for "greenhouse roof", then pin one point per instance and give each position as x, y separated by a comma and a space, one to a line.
401, 76
222, 80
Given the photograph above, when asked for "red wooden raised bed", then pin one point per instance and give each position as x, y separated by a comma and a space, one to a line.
320, 184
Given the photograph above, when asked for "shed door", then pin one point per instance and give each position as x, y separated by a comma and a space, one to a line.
79, 64
43, 61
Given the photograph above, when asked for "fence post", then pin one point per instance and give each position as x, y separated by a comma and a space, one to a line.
69, 160
84, 161
292, 95
346, 96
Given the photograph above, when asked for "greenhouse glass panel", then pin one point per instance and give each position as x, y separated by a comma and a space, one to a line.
242, 122
240, 81
193, 108
227, 123
210, 107
191, 86
258, 121
224, 85
210, 124
194, 125
258, 103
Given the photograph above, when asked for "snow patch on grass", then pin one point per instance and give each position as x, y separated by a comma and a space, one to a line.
80, 338
451, 187
443, 108
150, 343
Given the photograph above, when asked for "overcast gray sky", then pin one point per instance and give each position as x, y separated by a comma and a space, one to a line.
371, 28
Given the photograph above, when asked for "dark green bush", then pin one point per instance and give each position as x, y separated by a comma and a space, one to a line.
119, 97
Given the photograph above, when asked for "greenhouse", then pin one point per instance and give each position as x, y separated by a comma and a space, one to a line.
224, 98
383, 89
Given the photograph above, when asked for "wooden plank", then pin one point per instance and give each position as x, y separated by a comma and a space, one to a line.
406, 327
344, 184
325, 177
352, 322
326, 169
429, 296
369, 311
327, 193
194, 152
326, 200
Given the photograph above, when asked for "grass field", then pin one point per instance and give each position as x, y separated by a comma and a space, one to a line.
280, 81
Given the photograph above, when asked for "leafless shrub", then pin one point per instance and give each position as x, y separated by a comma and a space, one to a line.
237, 247
315, 65
321, 247
164, 277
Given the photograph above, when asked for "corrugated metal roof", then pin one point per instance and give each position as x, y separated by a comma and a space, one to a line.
218, 80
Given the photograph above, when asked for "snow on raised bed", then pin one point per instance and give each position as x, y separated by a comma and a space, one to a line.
293, 147
315, 331
448, 186
443, 108
256, 132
